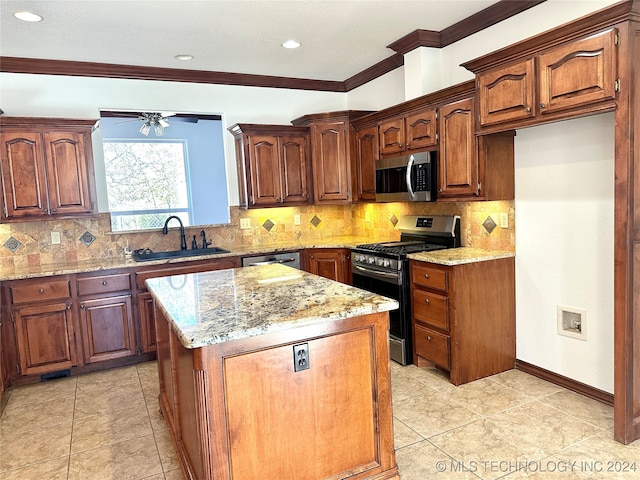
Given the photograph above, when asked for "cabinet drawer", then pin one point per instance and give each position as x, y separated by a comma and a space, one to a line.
432, 346
35, 292
103, 284
430, 308
429, 276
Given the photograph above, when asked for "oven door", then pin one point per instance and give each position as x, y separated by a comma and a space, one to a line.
391, 286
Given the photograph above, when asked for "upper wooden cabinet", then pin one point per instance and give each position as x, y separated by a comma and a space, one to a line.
273, 164
333, 154
366, 156
47, 169
411, 132
561, 82
472, 167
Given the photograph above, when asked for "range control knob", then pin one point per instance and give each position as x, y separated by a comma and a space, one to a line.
379, 262
386, 263
371, 260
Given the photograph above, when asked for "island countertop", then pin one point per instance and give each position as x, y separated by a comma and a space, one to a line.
215, 307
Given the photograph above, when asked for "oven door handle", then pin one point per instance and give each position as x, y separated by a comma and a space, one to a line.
412, 195
384, 276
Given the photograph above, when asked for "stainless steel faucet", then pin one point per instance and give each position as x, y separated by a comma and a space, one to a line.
183, 238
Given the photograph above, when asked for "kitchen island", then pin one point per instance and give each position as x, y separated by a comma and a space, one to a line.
270, 372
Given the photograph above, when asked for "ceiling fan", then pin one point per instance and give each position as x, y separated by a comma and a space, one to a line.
157, 120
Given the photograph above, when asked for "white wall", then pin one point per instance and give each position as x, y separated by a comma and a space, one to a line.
79, 97
564, 179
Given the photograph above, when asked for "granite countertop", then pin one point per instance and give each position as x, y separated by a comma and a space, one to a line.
84, 266
216, 307
458, 256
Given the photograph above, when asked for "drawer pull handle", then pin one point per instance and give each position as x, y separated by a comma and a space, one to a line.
428, 337
41, 290
104, 282
426, 300
426, 275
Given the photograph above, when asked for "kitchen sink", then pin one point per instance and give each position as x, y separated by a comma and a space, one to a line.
144, 255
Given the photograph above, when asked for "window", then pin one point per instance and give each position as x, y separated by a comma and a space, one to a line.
149, 178
156, 187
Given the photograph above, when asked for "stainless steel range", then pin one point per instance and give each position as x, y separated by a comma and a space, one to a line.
383, 268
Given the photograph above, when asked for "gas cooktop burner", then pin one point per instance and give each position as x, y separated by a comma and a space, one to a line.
400, 248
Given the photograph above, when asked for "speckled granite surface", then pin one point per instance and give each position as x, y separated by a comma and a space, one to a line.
215, 307
458, 256
108, 263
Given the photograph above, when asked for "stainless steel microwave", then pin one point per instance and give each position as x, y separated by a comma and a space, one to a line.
408, 178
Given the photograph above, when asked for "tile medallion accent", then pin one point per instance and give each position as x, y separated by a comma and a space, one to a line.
268, 225
87, 238
489, 225
12, 244
394, 220
315, 221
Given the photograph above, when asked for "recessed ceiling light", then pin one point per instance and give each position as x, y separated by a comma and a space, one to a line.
291, 44
184, 57
28, 16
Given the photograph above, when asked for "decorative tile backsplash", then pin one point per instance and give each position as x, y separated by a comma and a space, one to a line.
29, 243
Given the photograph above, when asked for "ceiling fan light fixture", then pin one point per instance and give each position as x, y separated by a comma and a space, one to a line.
145, 128
185, 57
159, 129
26, 16
291, 44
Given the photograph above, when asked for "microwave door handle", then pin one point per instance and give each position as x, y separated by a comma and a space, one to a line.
409, 168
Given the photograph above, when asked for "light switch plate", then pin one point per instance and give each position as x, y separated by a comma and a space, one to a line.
245, 223
504, 220
55, 238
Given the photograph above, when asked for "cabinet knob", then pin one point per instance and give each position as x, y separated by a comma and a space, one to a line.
54, 210
68, 306
528, 109
41, 290
429, 337
82, 307
426, 275
104, 282
542, 105
426, 300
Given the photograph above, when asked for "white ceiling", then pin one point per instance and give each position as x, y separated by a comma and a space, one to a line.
340, 38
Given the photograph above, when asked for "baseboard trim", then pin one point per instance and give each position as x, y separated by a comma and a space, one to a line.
568, 383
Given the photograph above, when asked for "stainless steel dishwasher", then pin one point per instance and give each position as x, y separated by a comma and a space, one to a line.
291, 259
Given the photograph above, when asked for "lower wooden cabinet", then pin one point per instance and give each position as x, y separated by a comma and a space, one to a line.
333, 263
463, 317
148, 342
45, 337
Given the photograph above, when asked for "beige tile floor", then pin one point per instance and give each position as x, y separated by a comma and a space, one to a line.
106, 426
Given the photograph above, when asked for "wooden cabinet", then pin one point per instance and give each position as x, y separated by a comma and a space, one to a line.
147, 340
463, 317
333, 263
47, 169
366, 156
44, 326
410, 132
273, 164
333, 154
561, 82
106, 316
471, 167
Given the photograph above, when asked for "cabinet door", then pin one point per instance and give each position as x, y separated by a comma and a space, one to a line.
331, 169
293, 169
147, 323
23, 177
44, 335
507, 93
265, 171
367, 154
581, 72
458, 162
330, 263
421, 130
392, 136
67, 173
107, 328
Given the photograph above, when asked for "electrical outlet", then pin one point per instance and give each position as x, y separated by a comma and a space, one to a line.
300, 357
296, 219
504, 220
367, 217
55, 238
245, 223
